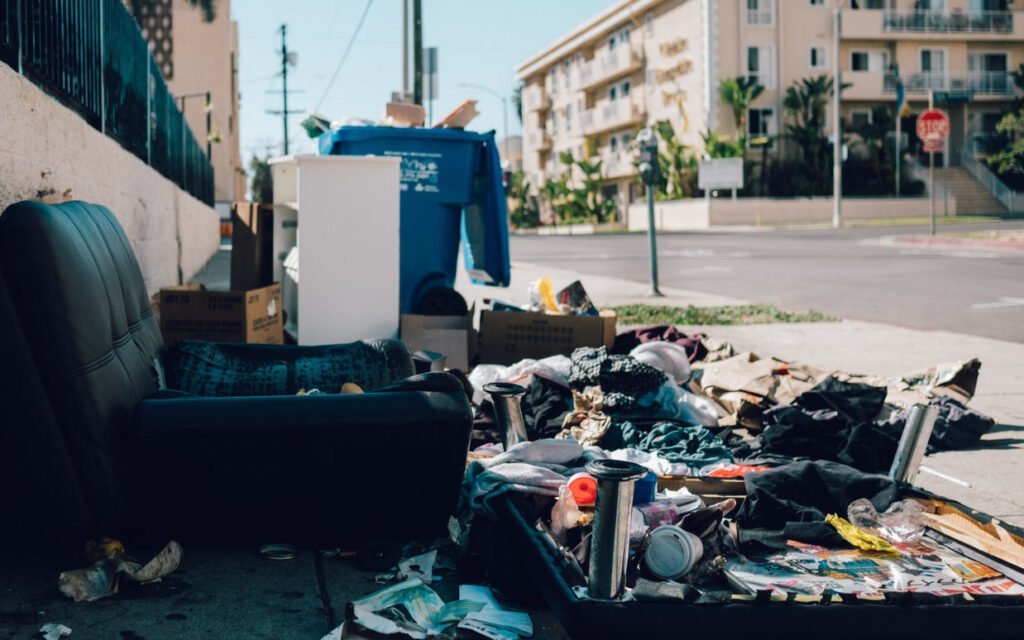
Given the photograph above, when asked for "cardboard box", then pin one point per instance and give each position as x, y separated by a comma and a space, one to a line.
221, 316
508, 337
452, 336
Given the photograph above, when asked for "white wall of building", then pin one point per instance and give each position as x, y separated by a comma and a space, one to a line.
48, 151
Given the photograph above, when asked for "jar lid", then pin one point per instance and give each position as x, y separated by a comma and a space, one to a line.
671, 552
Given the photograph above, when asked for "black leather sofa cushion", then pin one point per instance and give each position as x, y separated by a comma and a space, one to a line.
81, 303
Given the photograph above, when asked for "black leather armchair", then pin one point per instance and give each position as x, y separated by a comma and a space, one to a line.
90, 446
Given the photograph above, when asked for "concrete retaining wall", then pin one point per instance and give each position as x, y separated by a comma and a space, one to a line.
681, 215
48, 151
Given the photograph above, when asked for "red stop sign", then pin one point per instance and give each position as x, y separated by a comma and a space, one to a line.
932, 126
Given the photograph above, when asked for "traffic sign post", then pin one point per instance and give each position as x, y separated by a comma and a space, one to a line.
932, 129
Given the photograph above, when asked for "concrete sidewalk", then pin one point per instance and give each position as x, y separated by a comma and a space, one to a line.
992, 468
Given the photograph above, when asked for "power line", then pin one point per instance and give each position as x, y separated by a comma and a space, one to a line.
344, 56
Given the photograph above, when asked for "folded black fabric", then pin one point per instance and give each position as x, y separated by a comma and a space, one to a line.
544, 407
793, 500
832, 421
856, 401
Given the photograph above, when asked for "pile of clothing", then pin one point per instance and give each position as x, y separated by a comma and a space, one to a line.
692, 406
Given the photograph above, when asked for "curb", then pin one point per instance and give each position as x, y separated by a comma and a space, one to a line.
967, 243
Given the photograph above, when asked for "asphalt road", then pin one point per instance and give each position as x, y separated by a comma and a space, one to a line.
850, 273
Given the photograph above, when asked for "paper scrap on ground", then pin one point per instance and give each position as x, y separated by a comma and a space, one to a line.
53, 631
421, 566
102, 578
493, 616
411, 608
336, 634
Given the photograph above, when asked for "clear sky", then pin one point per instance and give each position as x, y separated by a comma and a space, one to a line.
478, 41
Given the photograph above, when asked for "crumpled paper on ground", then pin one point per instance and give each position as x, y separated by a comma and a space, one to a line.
52, 631
746, 384
102, 578
957, 380
587, 422
410, 608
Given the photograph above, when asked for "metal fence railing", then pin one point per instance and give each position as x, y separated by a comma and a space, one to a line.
1012, 200
928, 21
90, 55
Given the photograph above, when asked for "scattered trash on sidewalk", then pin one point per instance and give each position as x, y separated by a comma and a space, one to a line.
410, 608
52, 631
110, 563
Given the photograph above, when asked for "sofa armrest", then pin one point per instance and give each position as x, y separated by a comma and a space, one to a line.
332, 470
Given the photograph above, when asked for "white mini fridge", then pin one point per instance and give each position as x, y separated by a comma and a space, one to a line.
340, 214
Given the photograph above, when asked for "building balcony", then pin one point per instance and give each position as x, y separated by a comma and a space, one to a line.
617, 165
540, 140
870, 24
994, 83
866, 85
536, 100
609, 65
612, 115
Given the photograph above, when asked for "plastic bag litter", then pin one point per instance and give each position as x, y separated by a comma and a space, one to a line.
903, 521
564, 514
667, 357
553, 368
696, 409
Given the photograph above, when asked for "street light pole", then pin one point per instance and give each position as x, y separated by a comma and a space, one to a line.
837, 134
504, 107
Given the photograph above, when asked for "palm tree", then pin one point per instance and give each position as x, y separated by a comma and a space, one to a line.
805, 103
677, 166
738, 94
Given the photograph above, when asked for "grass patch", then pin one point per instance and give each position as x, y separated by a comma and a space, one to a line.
643, 314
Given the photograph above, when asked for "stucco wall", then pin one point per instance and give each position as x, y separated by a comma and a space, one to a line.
697, 213
48, 151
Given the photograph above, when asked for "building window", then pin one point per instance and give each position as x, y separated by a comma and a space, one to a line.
614, 143
869, 61
818, 58
568, 118
760, 66
613, 94
649, 23
760, 123
624, 35
553, 79
565, 73
933, 68
760, 13
987, 73
627, 138
554, 123
625, 88
650, 77
611, 43
817, 3
860, 117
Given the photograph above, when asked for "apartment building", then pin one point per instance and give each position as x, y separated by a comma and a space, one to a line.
641, 61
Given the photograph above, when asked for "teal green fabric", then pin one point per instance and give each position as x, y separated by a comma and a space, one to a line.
694, 446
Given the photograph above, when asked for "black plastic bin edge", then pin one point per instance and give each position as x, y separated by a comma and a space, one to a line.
863, 621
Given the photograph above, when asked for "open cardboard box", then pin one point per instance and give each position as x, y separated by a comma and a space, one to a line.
506, 337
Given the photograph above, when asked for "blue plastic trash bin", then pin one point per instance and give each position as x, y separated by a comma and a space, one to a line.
452, 188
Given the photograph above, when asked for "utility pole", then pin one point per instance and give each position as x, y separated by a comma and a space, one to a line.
287, 58
405, 50
417, 52
284, 84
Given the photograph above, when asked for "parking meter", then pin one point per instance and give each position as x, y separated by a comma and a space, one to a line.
647, 143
